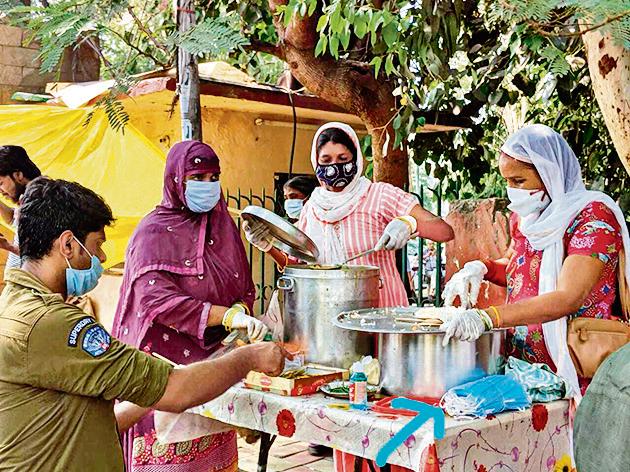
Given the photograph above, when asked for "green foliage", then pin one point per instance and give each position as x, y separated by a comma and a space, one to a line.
213, 37
501, 62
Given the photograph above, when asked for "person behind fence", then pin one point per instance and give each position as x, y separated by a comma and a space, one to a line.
297, 191
60, 370
349, 214
16, 171
565, 267
187, 282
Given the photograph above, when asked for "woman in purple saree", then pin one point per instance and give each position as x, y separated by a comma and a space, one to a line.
186, 272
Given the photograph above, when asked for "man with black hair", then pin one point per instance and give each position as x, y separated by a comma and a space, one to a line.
60, 371
16, 171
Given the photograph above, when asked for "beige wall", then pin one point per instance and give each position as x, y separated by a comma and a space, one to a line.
250, 154
19, 67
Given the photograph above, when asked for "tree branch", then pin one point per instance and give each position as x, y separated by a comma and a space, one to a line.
147, 32
146, 54
538, 27
256, 45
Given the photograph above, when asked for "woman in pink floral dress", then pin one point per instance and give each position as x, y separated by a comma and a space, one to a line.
563, 260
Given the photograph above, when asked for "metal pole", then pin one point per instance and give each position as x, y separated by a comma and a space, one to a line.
188, 75
420, 256
438, 253
263, 287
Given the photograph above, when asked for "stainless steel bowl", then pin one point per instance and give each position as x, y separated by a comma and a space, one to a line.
412, 358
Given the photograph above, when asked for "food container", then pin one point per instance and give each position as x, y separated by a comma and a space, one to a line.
317, 376
412, 358
313, 297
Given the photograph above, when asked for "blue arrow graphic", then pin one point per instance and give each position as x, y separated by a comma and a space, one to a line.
425, 413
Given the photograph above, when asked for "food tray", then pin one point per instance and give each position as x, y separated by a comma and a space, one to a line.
318, 376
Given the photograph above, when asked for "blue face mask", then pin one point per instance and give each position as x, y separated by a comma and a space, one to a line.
486, 396
293, 207
81, 281
201, 197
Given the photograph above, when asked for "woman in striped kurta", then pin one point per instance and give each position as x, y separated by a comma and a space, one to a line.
350, 214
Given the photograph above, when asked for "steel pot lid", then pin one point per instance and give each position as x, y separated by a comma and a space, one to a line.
409, 320
285, 236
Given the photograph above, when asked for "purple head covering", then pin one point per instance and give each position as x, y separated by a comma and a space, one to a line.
205, 248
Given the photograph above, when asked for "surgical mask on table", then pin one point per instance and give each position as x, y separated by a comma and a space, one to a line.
486, 396
81, 281
293, 207
527, 202
201, 197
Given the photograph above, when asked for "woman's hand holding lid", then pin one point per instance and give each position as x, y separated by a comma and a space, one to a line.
258, 235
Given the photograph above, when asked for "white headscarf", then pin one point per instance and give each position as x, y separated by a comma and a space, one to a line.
560, 172
331, 207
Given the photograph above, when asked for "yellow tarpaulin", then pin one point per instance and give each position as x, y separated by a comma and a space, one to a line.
125, 169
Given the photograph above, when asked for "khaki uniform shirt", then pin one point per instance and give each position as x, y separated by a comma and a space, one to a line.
60, 372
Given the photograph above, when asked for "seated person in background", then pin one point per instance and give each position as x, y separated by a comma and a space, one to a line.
16, 171
60, 371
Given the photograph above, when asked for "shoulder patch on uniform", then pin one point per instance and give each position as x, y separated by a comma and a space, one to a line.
96, 341
73, 337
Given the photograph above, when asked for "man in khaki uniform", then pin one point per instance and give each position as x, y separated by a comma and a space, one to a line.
60, 371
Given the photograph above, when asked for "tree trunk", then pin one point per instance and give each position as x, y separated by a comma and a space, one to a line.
188, 74
349, 85
609, 67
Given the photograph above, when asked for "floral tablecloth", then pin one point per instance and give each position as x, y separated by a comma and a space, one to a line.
533, 440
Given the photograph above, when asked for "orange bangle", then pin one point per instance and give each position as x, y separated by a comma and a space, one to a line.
496, 312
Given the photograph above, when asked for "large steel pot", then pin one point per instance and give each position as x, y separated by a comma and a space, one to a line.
413, 360
313, 297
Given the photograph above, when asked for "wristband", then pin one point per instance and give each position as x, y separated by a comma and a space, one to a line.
229, 317
495, 310
485, 318
409, 221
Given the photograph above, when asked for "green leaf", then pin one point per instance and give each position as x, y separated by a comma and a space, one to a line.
389, 64
390, 34
335, 21
321, 45
360, 25
387, 17
376, 62
321, 24
375, 21
312, 6
397, 121
345, 38
334, 46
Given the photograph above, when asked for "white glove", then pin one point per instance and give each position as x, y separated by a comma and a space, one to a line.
467, 325
258, 235
466, 284
397, 233
236, 318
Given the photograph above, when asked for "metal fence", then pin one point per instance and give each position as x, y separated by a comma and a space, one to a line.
265, 273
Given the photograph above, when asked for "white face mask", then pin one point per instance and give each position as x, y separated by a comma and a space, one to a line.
527, 202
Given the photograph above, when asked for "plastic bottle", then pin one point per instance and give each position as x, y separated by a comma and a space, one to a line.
358, 388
